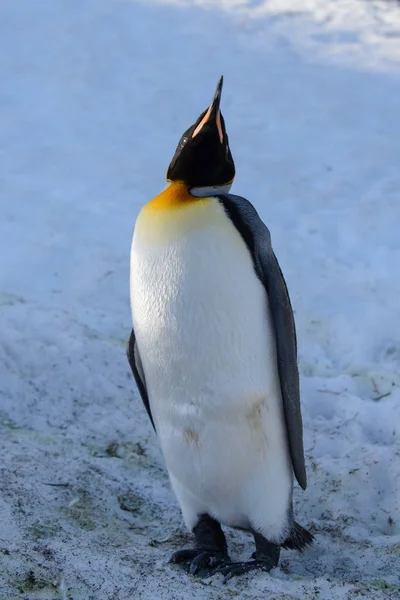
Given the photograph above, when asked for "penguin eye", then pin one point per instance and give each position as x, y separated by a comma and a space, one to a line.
226, 149
183, 142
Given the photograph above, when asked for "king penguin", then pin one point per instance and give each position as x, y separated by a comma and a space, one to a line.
213, 351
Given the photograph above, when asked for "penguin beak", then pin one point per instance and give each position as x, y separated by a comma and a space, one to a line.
214, 106
213, 114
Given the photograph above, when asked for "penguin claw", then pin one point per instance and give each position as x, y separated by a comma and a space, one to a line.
234, 569
200, 562
205, 561
183, 556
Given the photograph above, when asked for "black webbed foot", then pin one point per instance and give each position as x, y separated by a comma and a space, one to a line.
233, 569
265, 558
210, 550
183, 556
200, 562
210, 554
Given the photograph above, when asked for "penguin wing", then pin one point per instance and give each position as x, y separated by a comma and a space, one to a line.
258, 240
138, 373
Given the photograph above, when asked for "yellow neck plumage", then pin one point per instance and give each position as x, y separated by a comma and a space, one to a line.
175, 196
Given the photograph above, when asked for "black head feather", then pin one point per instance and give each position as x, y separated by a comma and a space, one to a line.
203, 157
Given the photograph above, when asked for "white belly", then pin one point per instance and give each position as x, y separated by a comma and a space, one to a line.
203, 330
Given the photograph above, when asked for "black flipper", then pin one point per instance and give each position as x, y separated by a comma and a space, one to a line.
135, 362
257, 237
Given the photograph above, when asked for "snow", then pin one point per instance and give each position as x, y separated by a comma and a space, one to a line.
94, 96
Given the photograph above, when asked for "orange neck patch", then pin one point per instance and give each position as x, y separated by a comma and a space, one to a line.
176, 195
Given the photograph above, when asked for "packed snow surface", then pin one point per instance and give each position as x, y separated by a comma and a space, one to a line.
94, 96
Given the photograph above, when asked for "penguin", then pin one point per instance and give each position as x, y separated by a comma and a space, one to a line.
213, 351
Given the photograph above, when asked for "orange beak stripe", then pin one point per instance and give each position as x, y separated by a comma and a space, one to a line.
204, 121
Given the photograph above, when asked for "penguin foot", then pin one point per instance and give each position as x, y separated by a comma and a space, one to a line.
199, 561
234, 569
265, 558
210, 549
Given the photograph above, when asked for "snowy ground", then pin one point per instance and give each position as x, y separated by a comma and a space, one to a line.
93, 98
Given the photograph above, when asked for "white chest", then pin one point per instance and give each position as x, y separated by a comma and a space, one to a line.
200, 314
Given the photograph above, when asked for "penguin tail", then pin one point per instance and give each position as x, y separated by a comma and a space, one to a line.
299, 539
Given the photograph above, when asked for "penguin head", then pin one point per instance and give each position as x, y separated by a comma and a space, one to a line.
203, 158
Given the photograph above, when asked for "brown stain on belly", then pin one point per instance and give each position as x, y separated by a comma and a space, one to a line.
255, 412
254, 419
190, 436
